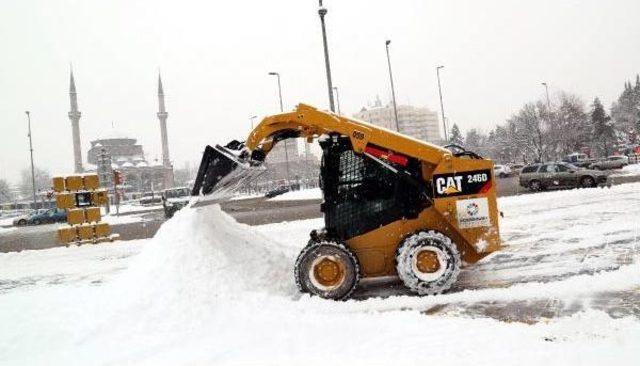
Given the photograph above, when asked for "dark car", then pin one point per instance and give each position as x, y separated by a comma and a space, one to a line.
174, 199
42, 217
150, 198
543, 176
278, 191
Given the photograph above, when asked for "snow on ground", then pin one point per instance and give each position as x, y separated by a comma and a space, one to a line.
7, 229
207, 290
133, 207
303, 194
246, 196
632, 169
114, 219
6, 221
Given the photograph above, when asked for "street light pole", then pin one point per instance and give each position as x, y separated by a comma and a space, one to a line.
33, 176
286, 146
252, 118
393, 91
546, 88
335, 88
322, 11
444, 121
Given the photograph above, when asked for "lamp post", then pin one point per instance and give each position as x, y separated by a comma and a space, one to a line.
322, 11
335, 88
393, 91
546, 89
33, 176
444, 121
252, 118
286, 147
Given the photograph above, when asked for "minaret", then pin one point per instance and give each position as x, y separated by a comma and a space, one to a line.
162, 116
74, 117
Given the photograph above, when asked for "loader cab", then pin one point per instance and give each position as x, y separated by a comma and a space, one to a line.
363, 192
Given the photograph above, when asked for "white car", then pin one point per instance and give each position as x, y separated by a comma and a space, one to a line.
501, 171
611, 162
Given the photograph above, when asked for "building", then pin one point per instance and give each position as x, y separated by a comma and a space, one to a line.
74, 117
124, 153
164, 136
419, 123
128, 157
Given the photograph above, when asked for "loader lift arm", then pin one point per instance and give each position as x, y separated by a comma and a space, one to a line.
308, 122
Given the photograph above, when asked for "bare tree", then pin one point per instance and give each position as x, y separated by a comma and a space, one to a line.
5, 191
570, 130
42, 178
532, 134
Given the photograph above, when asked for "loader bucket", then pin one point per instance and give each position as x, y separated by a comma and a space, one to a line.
223, 171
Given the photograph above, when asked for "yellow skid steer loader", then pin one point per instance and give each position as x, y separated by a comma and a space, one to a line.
392, 205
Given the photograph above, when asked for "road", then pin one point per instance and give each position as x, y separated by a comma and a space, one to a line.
253, 211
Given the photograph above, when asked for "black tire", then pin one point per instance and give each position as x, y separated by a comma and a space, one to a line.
428, 283
22, 222
587, 182
535, 185
36, 222
312, 257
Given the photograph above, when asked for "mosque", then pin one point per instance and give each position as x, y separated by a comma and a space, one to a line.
116, 151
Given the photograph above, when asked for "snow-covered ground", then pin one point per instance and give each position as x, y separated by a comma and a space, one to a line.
206, 290
135, 207
7, 221
6, 229
303, 194
114, 219
632, 169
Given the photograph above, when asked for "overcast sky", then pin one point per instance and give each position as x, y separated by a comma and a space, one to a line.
215, 56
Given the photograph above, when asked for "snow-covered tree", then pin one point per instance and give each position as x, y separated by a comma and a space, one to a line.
603, 129
455, 137
42, 179
570, 129
532, 134
5, 191
474, 141
625, 110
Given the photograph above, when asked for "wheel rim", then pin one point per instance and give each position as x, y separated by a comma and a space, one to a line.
429, 263
588, 182
535, 185
327, 272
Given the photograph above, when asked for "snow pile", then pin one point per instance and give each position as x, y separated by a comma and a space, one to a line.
205, 253
633, 169
303, 194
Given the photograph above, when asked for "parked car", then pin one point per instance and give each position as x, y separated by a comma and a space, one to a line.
150, 198
278, 191
501, 171
612, 162
516, 168
579, 160
543, 176
174, 199
42, 217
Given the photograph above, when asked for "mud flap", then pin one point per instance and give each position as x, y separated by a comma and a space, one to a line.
223, 171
